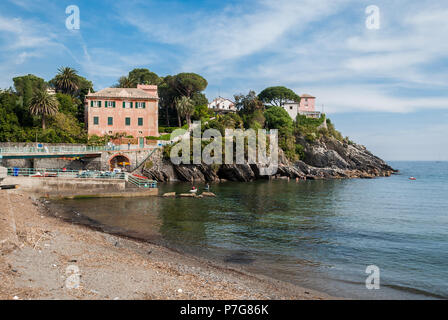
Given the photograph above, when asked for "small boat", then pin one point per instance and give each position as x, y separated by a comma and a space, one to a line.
412, 178
193, 190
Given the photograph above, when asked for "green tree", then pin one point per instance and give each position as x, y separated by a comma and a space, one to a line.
278, 118
247, 104
185, 108
202, 112
10, 129
67, 104
168, 96
187, 84
255, 120
278, 96
138, 76
125, 82
25, 86
67, 80
199, 99
67, 128
43, 104
143, 76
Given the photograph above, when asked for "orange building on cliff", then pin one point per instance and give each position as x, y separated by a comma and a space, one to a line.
133, 111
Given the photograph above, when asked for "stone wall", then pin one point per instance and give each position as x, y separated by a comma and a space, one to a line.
95, 163
59, 163
18, 163
34, 144
63, 186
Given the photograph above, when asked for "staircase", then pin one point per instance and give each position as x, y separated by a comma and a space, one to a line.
140, 182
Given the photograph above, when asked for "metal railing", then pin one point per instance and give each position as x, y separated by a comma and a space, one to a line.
141, 182
82, 174
61, 149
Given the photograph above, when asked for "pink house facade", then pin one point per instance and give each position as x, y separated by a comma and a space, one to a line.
132, 111
307, 107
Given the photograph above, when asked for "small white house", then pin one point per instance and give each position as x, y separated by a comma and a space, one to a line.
223, 105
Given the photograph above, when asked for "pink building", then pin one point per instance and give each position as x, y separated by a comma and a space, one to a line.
307, 103
307, 107
133, 111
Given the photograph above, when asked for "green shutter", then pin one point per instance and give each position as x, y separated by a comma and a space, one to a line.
144, 106
113, 103
91, 103
140, 121
99, 104
131, 104
124, 104
128, 121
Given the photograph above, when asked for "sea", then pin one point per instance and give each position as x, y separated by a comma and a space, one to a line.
382, 238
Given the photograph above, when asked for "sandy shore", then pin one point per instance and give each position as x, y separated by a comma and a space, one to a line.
40, 252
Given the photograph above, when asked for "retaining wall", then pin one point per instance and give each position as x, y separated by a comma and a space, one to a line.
65, 186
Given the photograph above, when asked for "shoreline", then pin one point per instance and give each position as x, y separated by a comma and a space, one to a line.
39, 251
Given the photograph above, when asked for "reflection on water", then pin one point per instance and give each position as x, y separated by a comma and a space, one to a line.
320, 234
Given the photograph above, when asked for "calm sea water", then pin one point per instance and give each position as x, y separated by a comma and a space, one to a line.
318, 234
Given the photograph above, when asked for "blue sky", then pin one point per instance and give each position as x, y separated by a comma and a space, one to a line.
385, 88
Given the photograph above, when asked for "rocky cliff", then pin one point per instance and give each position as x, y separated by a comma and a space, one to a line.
326, 158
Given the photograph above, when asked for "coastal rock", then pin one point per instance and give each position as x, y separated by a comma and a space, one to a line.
326, 158
237, 172
187, 195
169, 194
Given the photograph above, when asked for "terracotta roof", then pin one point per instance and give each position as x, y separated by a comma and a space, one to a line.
222, 99
122, 93
305, 95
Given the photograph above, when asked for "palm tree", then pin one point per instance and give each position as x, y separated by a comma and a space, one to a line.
43, 104
67, 80
126, 82
185, 108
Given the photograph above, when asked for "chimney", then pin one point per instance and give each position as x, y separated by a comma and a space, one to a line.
151, 89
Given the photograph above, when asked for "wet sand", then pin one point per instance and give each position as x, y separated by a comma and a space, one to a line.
44, 257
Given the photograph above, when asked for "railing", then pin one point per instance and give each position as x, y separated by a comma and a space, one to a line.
81, 174
312, 114
62, 149
146, 158
141, 182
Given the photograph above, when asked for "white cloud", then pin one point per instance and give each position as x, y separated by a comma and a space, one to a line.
372, 98
214, 38
339, 54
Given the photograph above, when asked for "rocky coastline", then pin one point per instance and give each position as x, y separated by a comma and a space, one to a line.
327, 158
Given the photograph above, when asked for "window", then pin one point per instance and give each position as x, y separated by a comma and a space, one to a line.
95, 104
96, 120
110, 121
290, 107
140, 121
128, 121
109, 104
127, 104
140, 105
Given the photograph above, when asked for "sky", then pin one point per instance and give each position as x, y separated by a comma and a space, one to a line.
385, 88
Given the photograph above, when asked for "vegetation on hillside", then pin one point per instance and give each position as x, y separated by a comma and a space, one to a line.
29, 113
